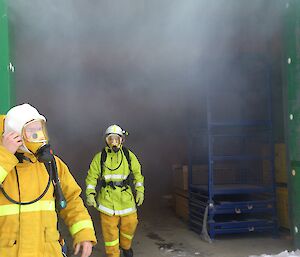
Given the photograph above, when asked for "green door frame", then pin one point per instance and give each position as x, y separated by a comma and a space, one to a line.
7, 95
291, 71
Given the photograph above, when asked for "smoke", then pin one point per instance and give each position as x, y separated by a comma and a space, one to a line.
141, 64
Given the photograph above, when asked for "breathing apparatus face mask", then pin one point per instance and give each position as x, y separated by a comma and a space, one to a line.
114, 142
35, 139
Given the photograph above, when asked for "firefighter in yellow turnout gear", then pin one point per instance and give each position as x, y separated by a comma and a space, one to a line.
112, 168
28, 216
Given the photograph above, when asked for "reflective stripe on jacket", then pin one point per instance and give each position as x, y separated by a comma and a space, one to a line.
31, 230
116, 201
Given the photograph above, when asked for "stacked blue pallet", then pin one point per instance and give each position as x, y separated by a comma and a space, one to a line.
233, 191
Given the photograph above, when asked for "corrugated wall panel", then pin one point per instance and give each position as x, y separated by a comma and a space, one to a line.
291, 65
6, 67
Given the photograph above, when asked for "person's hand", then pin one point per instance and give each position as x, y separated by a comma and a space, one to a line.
86, 248
12, 141
139, 198
90, 200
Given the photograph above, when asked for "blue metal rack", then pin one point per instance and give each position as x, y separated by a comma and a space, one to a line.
234, 191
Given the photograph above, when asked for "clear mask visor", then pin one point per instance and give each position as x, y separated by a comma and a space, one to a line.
113, 140
35, 132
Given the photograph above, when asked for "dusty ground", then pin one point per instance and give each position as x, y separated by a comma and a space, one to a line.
160, 234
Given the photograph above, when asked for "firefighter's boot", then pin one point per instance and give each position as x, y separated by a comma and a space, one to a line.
128, 253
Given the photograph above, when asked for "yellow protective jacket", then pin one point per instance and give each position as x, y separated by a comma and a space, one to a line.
31, 230
116, 201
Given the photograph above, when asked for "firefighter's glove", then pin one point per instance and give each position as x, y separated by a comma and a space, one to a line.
90, 200
139, 198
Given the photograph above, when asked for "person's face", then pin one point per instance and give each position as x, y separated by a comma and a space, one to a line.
35, 131
114, 141
34, 135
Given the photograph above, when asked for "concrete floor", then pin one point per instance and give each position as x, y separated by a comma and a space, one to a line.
161, 234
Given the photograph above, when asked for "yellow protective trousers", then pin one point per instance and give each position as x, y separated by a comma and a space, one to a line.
118, 231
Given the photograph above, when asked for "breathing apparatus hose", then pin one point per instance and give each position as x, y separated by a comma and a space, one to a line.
53, 176
30, 202
59, 196
113, 169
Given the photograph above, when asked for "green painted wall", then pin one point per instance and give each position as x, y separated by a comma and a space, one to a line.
291, 67
7, 96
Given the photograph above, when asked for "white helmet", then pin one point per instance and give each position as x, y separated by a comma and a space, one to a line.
18, 116
115, 129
